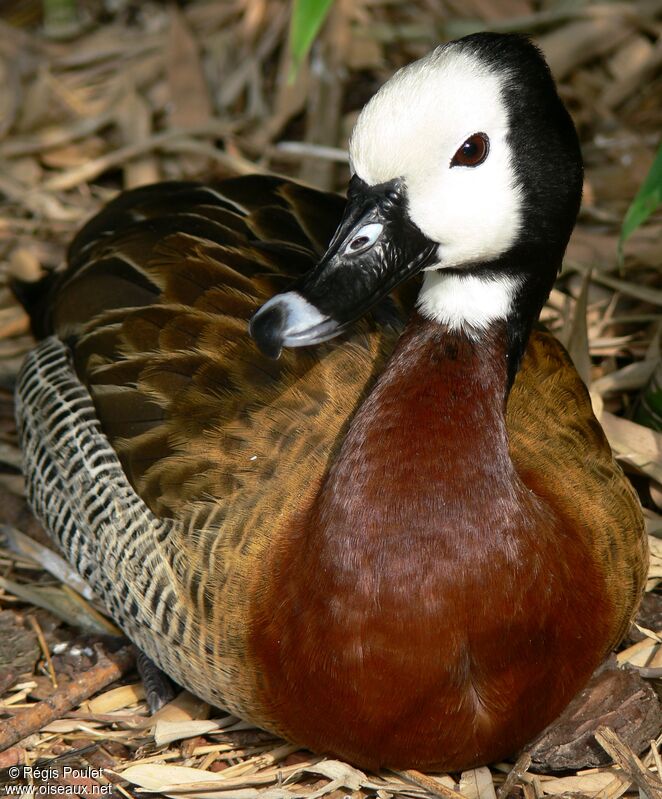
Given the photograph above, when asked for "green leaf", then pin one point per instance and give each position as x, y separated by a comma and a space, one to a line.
647, 200
61, 18
307, 18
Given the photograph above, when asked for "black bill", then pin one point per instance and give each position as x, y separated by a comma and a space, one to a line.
375, 248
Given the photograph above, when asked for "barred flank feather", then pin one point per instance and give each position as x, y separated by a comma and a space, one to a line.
76, 486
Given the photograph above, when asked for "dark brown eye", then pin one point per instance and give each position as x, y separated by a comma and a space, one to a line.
473, 152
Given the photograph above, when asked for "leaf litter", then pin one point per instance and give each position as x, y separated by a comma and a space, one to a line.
118, 94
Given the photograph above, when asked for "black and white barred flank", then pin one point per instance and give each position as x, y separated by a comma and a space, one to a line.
78, 490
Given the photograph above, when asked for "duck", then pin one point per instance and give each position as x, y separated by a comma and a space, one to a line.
314, 454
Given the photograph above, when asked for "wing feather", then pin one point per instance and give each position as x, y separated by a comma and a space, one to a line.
562, 453
203, 422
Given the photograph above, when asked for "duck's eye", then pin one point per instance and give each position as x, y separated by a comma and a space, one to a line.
473, 152
364, 239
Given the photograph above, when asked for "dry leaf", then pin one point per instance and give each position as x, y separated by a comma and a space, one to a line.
168, 779
70, 725
638, 654
629, 378
575, 334
341, 773
649, 615
477, 784
166, 732
594, 785
575, 44
134, 120
10, 92
59, 110
47, 558
191, 104
115, 699
635, 444
66, 605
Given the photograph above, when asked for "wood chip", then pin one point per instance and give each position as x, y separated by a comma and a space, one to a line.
108, 669
614, 696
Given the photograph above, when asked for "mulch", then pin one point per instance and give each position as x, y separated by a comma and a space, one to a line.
103, 95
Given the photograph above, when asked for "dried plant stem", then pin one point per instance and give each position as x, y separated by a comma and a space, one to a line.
92, 169
629, 762
515, 774
423, 781
44, 648
51, 138
108, 669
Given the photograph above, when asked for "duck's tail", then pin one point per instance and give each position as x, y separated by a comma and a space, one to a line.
36, 297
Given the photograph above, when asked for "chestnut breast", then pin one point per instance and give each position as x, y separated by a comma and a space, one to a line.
421, 609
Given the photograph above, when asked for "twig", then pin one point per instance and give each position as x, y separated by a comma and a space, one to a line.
423, 781
94, 59
109, 668
92, 169
122, 790
649, 672
54, 564
516, 773
655, 756
38, 202
51, 138
553, 17
301, 148
236, 164
645, 293
624, 757
44, 648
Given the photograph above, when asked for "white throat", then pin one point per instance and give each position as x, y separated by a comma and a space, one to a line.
466, 303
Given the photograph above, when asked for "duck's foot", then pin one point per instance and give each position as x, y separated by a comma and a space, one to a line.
159, 688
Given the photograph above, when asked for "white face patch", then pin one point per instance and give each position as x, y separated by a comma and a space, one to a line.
413, 127
466, 302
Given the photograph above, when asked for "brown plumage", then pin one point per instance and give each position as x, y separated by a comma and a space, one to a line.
393, 547
444, 443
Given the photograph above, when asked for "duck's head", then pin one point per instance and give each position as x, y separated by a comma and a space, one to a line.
466, 165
